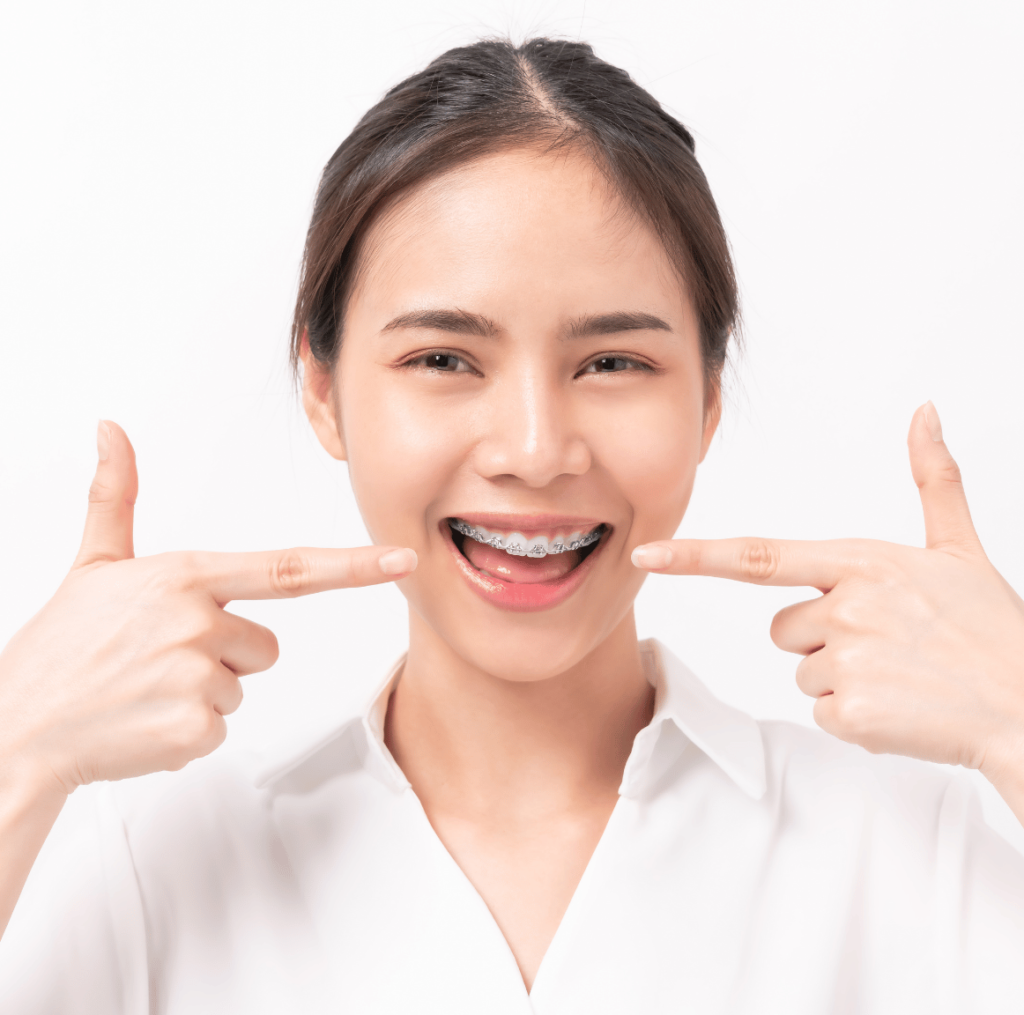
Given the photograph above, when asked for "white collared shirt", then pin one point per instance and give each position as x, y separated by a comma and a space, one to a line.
746, 868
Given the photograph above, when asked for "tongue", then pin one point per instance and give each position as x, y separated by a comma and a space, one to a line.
525, 570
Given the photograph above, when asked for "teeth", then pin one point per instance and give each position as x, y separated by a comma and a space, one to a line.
516, 544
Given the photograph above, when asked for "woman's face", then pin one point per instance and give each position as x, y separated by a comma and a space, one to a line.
521, 361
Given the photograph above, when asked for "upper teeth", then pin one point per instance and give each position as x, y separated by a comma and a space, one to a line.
518, 545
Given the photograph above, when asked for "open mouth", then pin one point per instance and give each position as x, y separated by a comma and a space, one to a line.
524, 570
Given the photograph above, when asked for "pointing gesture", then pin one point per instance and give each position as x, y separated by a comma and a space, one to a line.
823, 564
133, 664
908, 651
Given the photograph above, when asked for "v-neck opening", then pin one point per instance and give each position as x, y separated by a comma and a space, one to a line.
582, 887
579, 894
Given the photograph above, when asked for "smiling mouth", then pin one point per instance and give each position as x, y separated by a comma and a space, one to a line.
512, 556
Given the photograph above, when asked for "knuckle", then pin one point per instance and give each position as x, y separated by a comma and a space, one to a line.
173, 572
185, 562
690, 556
100, 494
946, 472
846, 614
290, 573
865, 558
844, 663
949, 472
183, 568
211, 679
198, 731
759, 559
196, 626
853, 716
194, 678
217, 732
181, 737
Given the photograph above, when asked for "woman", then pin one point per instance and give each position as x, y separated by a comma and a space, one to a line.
513, 316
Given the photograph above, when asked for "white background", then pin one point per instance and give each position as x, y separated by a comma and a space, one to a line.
158, 166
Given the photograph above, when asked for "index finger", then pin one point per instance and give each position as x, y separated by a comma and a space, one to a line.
819, 564
284, 574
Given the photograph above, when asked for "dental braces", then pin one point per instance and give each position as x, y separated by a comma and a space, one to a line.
517, 549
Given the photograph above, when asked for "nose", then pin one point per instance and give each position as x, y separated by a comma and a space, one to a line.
530, 434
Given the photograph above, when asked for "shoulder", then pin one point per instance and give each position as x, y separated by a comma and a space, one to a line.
226, 798
798, 758
814, 778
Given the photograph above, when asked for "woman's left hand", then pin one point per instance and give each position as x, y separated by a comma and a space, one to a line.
909, 651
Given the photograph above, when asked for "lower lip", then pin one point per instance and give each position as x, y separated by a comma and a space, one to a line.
521, 597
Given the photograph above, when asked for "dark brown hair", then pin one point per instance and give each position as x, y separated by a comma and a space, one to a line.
492, 96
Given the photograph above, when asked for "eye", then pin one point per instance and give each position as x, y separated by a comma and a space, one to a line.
613, 365
440, 361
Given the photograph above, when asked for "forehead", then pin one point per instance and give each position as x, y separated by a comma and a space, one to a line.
540, 225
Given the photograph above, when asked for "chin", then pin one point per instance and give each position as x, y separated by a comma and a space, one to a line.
506, 655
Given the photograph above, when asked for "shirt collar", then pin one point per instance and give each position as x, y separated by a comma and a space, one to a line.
729, 737
358, 743
682, 704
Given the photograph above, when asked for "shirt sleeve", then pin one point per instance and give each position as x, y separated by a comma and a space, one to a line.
76, 943
979, 901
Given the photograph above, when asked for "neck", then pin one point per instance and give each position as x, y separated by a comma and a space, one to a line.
473, 743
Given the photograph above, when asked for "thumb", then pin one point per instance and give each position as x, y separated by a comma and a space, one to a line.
947, 519
108, 525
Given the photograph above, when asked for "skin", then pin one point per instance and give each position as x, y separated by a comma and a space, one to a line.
132, 665
907, 651
513, 728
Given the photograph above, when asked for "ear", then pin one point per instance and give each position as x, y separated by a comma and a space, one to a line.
318, 401
712, 417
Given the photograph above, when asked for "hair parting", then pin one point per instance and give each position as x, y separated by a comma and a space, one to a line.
474, 101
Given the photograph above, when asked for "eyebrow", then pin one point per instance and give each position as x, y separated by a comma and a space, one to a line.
457, 322
612, 324
462, 322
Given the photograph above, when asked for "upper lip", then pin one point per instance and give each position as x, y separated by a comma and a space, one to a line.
530, 525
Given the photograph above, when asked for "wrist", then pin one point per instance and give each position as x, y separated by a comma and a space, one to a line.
1005, 770
26, 782
31, 798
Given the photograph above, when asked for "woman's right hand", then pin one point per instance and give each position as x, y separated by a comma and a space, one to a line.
132, 665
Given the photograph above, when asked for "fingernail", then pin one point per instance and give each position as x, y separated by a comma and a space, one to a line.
931, 417
652, 557
103, 441
398, 561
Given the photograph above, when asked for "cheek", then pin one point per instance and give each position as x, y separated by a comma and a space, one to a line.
652, 453
401, 452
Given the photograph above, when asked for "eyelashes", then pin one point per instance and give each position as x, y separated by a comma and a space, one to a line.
446, 361
615, 365
440, 361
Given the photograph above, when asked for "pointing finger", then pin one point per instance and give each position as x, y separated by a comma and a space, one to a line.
759, 561
284, 574
947, 519
108, 524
